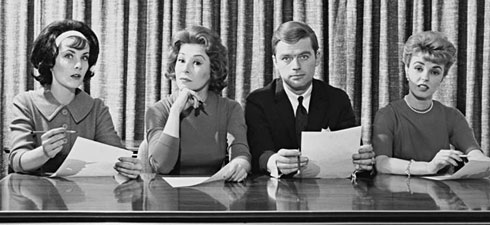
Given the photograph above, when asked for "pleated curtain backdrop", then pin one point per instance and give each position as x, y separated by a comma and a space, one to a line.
361, 44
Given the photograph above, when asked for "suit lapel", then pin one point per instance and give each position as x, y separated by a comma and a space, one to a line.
318, 107
284, 109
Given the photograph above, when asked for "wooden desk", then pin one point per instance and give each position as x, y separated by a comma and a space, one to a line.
384, 198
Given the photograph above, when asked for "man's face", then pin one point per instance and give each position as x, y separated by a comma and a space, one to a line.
296, 64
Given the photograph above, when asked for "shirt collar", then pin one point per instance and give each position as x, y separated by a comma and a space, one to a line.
49, 107
293, 98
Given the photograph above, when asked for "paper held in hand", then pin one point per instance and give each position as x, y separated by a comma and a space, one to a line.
473, 169
330, 153
90, 158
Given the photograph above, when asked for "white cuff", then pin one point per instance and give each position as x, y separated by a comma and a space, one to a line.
272, 166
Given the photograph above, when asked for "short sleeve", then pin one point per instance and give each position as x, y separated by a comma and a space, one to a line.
461, 134
383, 132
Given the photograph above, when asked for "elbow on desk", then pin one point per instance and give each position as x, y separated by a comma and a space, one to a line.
160, 168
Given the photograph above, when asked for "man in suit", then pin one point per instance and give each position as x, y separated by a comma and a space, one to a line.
277, 113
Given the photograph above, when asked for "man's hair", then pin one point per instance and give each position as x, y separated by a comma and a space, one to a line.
293, 31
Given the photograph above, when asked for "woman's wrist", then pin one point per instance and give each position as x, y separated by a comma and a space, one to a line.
33, 159
41, 153
242, 160
430, 168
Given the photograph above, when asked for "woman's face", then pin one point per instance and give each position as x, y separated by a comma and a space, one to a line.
424, 77
193, 67
70, 65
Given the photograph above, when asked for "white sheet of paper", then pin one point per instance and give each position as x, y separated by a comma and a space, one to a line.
330, 153
473, 169
91, 158
177, 182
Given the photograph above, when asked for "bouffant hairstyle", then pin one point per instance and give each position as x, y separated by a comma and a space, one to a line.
216, 51
291, 32
45, 51
434, 46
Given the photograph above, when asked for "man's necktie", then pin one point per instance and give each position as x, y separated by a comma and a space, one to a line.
301, 119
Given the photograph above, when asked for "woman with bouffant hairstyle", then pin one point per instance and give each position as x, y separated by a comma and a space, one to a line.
45, 48
47, 121
196, 131
418, 135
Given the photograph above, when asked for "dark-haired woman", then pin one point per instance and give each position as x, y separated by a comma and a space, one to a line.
63, 54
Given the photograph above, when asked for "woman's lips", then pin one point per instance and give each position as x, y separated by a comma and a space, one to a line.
423, 87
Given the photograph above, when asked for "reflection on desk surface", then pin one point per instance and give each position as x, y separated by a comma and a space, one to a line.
262, 193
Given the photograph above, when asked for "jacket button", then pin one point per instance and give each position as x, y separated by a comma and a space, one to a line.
64, 112
65, 126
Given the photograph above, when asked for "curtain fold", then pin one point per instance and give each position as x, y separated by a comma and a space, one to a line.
361, 44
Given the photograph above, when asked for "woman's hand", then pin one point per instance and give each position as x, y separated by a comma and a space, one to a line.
185, 99
53, 141
236, 170
442, 159
364, 160
129, 167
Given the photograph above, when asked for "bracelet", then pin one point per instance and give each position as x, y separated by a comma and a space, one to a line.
407, 171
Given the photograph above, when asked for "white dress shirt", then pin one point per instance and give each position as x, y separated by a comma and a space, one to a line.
293, 99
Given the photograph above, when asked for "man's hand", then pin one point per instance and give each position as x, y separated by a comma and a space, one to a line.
364, 160
287, 160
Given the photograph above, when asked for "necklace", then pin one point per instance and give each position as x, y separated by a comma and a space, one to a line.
416, 110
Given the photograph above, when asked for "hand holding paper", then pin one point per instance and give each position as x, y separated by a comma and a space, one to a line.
236, 170
233, 171
330, 153
91, 158
474, 169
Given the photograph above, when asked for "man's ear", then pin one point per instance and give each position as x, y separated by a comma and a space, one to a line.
274, 60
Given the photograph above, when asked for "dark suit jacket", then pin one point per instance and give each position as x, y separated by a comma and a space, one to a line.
271, 123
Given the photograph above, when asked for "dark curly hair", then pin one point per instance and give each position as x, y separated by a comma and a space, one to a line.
45, 51
216, 51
